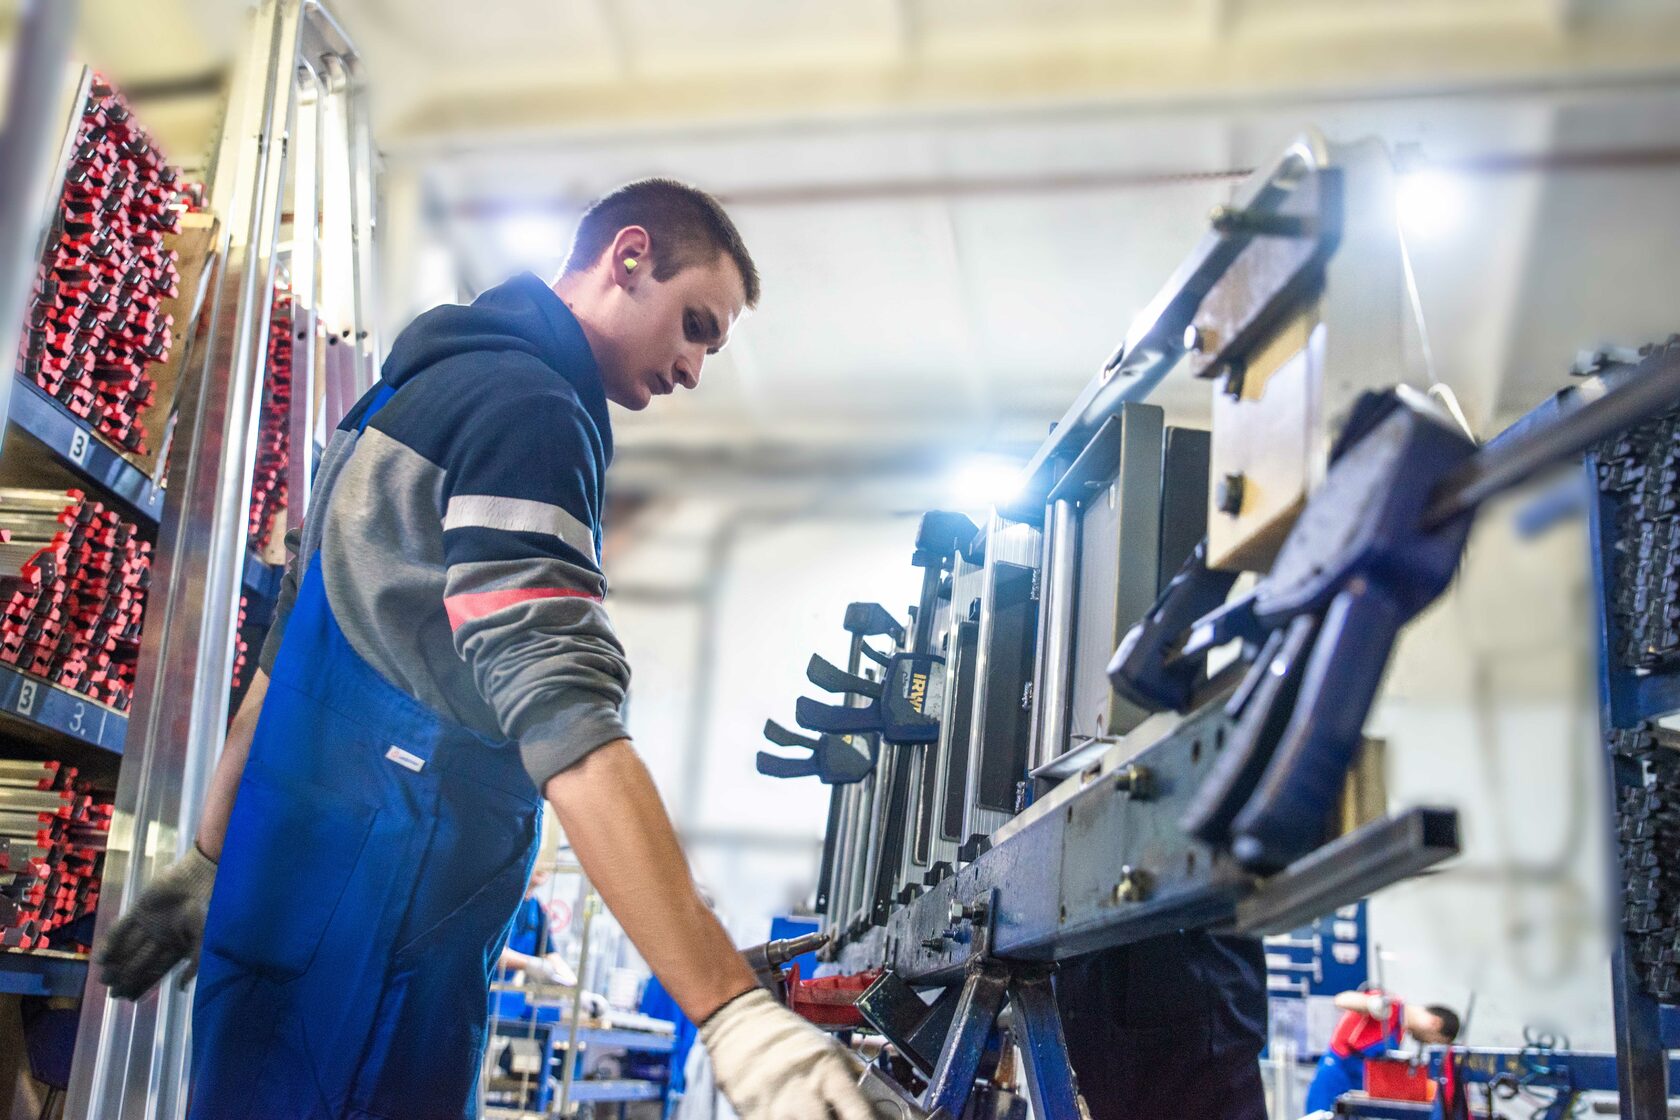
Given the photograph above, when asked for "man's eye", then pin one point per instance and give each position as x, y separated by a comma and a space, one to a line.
691, 325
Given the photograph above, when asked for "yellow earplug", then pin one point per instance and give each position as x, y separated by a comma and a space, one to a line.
629, 263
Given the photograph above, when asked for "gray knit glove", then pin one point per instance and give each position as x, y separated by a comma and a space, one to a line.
163, 927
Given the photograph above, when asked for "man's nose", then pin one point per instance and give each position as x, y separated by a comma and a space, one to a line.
687, 369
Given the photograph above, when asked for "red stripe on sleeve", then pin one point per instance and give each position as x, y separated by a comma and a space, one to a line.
466, 608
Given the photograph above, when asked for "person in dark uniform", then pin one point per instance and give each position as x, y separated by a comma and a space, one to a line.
1169, 1028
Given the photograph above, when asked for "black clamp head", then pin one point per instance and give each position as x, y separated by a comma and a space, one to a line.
941, 536
867, 619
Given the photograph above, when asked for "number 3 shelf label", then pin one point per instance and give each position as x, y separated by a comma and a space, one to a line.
26, 699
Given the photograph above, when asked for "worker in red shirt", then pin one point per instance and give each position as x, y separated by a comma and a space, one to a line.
1375, 1023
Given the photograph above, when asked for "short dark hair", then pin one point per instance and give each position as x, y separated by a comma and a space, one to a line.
1448, 1017
687, 227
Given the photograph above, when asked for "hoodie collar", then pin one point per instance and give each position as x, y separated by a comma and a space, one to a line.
568, 352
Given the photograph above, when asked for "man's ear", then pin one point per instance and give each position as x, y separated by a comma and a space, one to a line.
630, 256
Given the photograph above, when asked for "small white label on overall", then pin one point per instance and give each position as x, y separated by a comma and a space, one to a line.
407, 761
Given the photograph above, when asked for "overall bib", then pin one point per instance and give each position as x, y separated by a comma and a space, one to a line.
374, 860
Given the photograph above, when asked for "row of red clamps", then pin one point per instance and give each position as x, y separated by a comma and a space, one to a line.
97, 323
72, 614
268, 480
242, 649
53, 832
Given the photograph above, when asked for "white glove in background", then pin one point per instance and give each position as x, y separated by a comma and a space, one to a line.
773, 1065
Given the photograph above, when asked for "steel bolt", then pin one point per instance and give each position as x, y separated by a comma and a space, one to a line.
1135, 884
1200, 340
1228, 494
1135, 781
933, 944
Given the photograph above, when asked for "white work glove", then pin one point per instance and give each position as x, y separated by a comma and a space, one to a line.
1378, 1005
163, 928
773, 1065
551, 971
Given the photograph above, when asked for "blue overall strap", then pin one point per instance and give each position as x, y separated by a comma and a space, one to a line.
372, 402
374, 859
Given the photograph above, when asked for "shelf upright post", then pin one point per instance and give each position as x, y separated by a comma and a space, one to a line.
306, 288
40, 58
133, 1059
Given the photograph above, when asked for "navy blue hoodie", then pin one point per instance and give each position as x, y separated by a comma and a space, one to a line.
460, 533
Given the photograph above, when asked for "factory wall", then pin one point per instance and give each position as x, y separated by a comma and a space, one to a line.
1491, 707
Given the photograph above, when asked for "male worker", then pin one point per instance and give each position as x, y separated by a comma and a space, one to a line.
440, 656
1374, 1023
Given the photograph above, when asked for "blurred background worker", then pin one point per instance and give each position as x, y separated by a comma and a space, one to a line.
439, 663
530, 951
1374, 1022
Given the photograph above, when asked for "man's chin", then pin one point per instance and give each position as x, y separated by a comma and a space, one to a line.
632, 402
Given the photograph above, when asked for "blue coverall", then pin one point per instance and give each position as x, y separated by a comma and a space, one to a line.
374, 858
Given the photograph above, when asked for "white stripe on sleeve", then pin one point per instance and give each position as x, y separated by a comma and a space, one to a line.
518, 515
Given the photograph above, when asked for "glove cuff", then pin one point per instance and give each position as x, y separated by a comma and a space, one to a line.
745, 1003
195, 871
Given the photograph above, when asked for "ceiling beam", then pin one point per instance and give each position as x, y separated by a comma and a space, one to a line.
1181, 74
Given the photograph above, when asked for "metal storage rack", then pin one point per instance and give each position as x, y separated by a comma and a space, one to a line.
292, 185
545, 1082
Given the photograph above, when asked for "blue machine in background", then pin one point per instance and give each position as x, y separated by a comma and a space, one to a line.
1308, 966
1541, 1082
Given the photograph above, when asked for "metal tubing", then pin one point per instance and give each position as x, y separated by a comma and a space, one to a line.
132, 1063
1058, 600
586, 896
982, 676
1505, 463
880, 805
307, 151
844, 866
1038, 1028
1154, 341
983, 995
40, 58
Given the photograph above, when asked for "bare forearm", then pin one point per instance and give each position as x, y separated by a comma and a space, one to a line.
623, 837
230, 767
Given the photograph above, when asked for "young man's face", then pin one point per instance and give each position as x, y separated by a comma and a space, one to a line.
656, 334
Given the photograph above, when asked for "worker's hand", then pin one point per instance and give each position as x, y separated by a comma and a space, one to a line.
773, 1065
554, 970
163, 928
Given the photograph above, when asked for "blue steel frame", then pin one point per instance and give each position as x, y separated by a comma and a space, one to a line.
1626, 699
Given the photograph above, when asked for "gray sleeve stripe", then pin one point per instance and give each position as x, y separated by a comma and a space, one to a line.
517, 515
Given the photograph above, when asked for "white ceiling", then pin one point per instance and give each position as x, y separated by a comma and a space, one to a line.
957, 205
